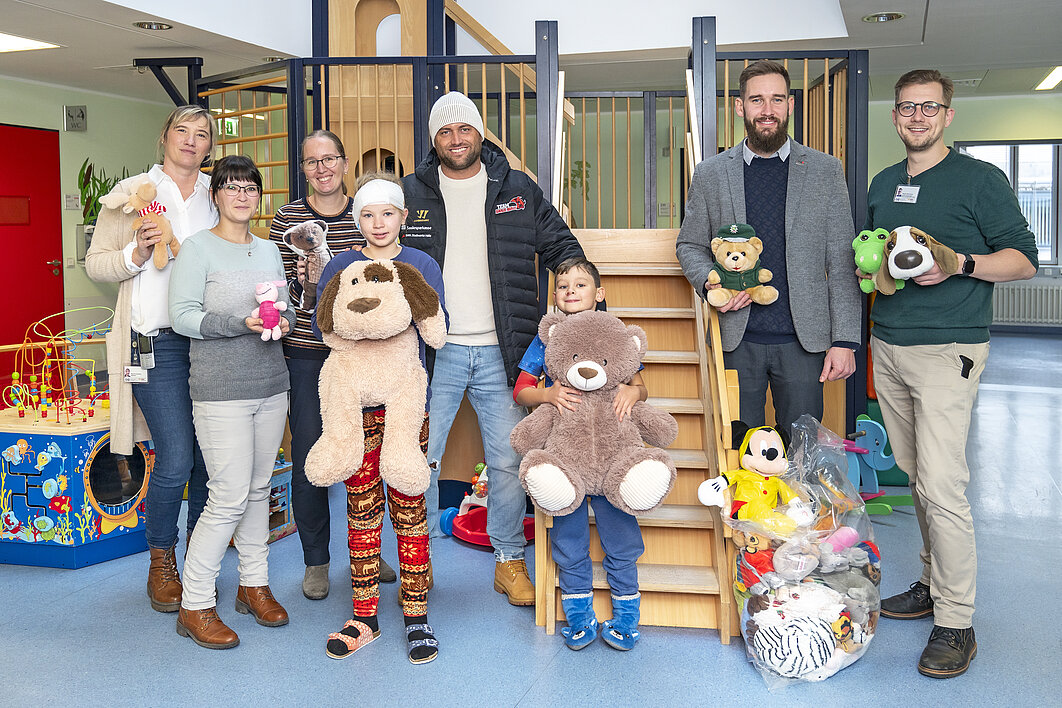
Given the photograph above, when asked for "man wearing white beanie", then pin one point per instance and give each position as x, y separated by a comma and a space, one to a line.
484, 223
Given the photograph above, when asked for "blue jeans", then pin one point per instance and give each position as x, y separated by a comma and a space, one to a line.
794, 377
621, 539
481, 372
167, 408
309, 503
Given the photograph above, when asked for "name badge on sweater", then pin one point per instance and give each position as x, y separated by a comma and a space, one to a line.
906, 193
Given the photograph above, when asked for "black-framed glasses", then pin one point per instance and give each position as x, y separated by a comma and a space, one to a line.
251, 190
329, 161
929, 108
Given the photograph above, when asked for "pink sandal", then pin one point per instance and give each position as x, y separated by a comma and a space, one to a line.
365, 636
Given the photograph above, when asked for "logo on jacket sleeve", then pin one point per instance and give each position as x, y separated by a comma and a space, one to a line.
514, 204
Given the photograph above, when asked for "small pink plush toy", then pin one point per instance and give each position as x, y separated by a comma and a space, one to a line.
268, 308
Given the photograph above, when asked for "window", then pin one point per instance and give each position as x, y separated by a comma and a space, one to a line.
1032, 166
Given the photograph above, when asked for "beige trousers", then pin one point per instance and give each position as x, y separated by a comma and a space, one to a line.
927, 393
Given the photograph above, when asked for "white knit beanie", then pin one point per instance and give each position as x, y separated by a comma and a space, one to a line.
453, 107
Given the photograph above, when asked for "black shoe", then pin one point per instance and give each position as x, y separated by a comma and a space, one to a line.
948, 653
912, 604
387, 573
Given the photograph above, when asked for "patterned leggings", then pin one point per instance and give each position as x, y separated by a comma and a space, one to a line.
365, 510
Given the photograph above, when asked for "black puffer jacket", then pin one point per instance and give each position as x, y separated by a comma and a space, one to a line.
520, 223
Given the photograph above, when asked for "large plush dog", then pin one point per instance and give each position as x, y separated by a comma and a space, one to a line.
910, 252
367, 316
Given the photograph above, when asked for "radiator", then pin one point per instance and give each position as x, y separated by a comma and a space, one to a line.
1028, 302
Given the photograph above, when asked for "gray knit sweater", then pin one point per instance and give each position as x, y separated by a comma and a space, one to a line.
211, 293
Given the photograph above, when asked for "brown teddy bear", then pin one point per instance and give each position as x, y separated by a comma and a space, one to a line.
142, 201
589, 451
737, 250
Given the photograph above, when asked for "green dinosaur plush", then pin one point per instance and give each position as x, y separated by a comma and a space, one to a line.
869, 249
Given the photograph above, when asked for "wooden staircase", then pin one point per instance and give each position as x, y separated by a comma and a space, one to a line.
684, 573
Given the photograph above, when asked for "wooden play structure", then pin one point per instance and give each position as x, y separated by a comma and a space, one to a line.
622, 196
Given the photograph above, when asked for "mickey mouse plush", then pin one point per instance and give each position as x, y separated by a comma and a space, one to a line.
757, 485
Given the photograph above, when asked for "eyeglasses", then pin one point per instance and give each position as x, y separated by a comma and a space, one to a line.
329, 161
929, 108
251, 190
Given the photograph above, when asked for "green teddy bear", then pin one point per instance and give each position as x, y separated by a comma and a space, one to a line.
870, 256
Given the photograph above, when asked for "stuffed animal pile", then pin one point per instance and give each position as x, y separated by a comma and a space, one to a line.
807, 568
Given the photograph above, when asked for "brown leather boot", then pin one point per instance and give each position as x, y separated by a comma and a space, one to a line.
164, 584
206, 629
511, 579
261, 604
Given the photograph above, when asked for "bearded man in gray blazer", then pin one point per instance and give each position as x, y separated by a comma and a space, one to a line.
796, 200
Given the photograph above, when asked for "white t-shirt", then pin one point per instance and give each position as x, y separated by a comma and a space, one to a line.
151, 286
466, 275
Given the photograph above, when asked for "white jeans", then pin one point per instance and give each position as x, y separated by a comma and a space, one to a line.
239, 440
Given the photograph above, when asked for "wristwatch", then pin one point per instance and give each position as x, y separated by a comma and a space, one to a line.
968, 266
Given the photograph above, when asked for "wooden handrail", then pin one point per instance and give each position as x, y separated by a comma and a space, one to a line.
240, 87
495, 46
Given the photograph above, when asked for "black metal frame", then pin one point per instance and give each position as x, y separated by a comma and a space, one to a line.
194, 65
703, 59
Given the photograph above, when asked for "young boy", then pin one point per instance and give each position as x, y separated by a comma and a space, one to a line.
579, 288
379, 207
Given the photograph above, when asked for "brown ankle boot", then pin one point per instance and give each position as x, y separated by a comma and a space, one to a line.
262, 605
164, 584
206, 629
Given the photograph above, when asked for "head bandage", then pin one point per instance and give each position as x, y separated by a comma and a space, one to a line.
378, 191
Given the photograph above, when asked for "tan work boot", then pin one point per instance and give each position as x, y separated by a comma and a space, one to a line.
206, 629
164, 584
511, 578
261, 604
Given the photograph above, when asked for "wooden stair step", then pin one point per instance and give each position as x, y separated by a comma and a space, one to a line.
677, 405
687, 516
647, 269
689, 459
660, 313
670, 357
653, 577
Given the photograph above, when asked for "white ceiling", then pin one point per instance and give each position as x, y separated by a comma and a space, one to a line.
1009, 46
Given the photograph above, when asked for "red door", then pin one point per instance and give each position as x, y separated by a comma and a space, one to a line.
31, 242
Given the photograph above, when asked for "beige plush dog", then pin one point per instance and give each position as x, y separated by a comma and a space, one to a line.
367, 316
910, 252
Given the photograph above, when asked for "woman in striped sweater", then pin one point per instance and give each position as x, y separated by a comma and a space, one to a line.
325, 165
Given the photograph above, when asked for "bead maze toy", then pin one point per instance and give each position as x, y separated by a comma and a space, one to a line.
65, 500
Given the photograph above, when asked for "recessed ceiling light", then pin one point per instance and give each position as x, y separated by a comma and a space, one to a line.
1052, 80
152, 25
11, 43
883, 17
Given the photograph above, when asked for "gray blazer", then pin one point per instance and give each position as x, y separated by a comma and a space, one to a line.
818, 243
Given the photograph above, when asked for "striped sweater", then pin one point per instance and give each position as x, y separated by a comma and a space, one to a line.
343, 234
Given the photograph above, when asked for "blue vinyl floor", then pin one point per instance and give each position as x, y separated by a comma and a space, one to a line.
89, 638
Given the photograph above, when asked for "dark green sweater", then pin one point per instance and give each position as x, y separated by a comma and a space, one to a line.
968, 205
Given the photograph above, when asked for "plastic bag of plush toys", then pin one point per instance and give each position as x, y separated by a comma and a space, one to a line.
807, 568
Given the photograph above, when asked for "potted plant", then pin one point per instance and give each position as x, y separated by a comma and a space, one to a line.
92, 184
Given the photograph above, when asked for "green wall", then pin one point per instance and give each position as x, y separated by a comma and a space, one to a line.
995, 118
122, 132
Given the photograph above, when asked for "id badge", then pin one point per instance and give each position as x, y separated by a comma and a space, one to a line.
135, 374
906, 194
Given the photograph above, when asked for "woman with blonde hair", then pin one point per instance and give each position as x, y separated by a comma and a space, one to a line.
153, 403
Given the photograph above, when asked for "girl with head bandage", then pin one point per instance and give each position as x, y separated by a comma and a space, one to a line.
379, 208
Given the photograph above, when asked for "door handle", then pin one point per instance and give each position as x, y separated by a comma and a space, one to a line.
54, 263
